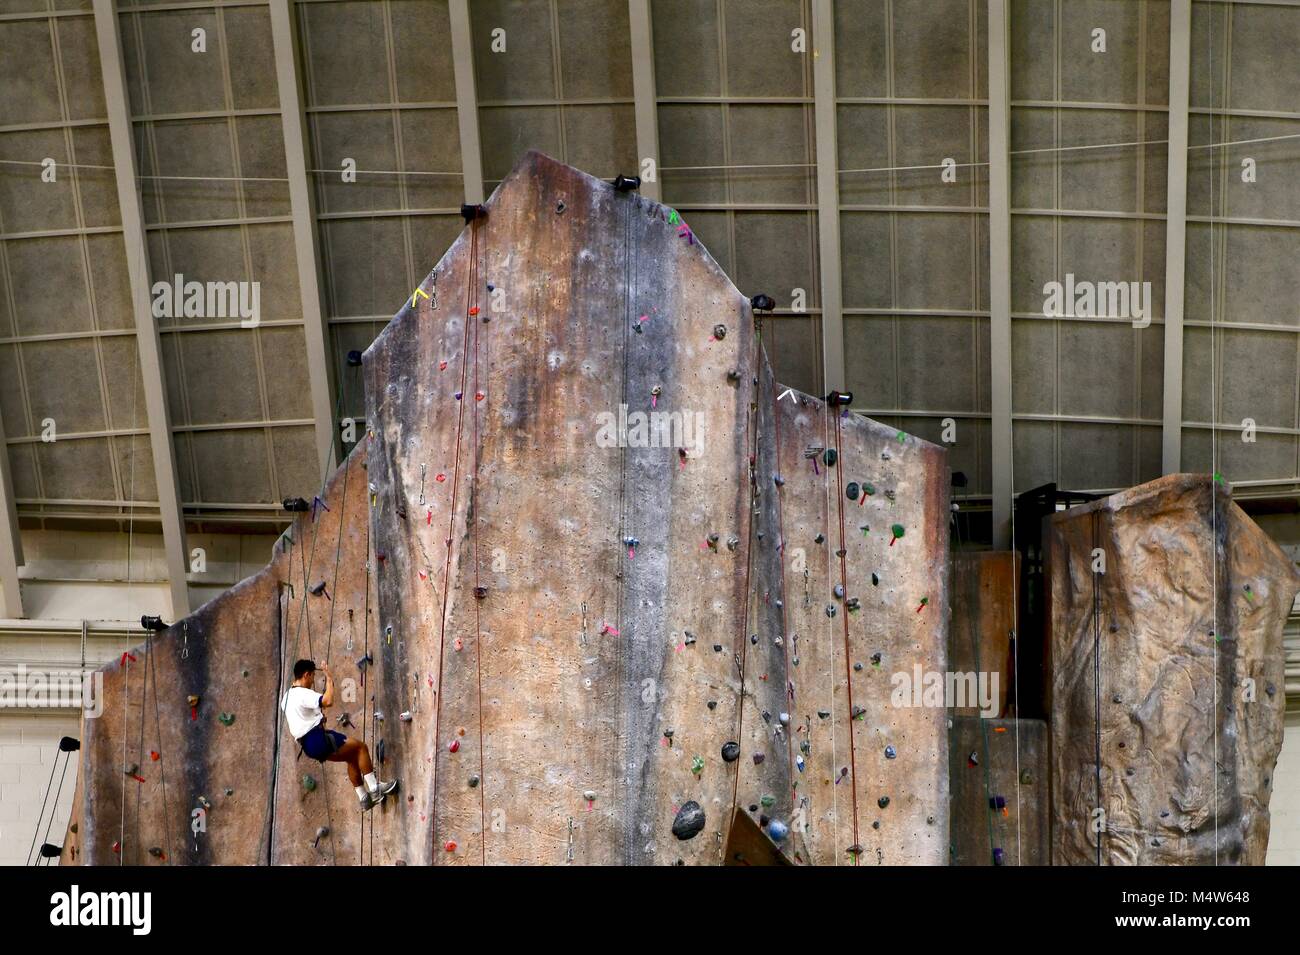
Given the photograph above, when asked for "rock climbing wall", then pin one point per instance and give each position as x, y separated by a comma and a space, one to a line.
997, 769
1166, 674
862, 517
582, 588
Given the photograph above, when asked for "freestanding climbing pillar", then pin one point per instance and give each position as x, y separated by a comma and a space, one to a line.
1166, 606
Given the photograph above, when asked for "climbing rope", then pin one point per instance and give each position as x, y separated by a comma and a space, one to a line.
478, 626
780, 552
53, 809
848, 671
157, 723
826, 520
471, 283
751, 465
1096, 680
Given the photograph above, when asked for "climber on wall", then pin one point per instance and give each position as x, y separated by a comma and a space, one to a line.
303, 707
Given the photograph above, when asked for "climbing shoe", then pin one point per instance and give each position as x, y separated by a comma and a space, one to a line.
378, 795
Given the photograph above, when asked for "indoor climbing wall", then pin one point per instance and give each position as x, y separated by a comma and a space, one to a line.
593, 587
1166, 676
997, 769
861, 514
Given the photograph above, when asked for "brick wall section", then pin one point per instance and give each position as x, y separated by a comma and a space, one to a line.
28, 748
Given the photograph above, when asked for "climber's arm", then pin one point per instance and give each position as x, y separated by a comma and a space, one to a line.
327, 698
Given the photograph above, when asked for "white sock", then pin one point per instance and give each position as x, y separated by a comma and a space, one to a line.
371, 782
361, 793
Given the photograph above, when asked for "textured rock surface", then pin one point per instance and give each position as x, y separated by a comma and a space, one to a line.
574, 627
1166, 677
1010, 764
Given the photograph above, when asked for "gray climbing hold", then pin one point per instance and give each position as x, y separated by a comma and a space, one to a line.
473, 781
759, 757
830, 456
730, 752
882, 802
852, 491
839, 591
890, 752
689, 821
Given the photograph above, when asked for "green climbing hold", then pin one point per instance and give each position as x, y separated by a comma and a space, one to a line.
767, 801
899, 530
697, 765
902, 436
830, 456
868, 489
308, 783
226, 719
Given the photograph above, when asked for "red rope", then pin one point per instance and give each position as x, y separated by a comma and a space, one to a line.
451, 522
848, 674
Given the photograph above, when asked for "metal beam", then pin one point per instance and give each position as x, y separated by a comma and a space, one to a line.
462, 52
643, 94
11, 544
1002, 462
320, 370
828, 195
146, 328
1180, 57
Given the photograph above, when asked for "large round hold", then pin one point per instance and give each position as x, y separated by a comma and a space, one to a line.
689, 821
778, 830
730, 752
851, 492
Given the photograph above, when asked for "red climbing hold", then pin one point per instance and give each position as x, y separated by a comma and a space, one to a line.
127, 656
473, 310
450, 846
454, 746
442, 366
154, 755
440, 478
479, 396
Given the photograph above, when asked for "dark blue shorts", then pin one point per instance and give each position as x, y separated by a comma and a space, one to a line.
320, 743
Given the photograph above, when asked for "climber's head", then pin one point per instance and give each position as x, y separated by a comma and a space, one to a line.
304, 672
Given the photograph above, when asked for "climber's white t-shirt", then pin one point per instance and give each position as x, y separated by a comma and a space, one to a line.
302, 710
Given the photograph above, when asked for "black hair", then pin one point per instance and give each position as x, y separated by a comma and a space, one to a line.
303, 667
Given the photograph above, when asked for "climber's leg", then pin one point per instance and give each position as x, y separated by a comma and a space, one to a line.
348, 753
